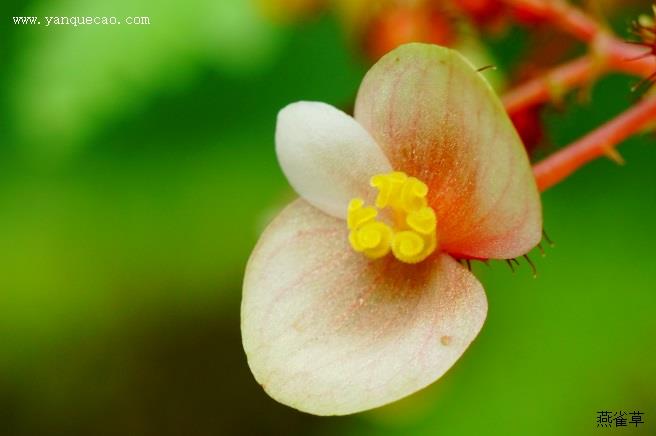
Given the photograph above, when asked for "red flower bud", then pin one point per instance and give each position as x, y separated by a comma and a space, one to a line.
481, 11
398, 25
529, 126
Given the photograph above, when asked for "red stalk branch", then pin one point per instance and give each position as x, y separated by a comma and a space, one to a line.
599, 142
608, 53
620, 57
544, 88
561, 14
628, 58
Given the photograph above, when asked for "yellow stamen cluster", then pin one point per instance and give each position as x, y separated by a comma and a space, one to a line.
412, 238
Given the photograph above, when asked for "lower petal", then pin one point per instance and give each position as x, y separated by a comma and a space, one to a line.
328, 332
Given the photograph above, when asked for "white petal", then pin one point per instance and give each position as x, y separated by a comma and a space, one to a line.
327, 156
330, 333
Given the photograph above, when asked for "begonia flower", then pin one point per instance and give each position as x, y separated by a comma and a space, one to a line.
353, 297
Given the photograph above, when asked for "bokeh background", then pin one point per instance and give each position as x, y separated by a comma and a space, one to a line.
137, 169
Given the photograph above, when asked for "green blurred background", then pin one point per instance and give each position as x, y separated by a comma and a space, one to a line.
137, 169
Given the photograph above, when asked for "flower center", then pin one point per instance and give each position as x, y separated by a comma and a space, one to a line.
412, 238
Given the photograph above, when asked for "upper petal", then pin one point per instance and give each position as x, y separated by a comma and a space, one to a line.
330, 333
438, 119
327, 156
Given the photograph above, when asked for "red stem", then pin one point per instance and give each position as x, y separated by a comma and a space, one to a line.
628, 58
542, 89
613, 54
563, 15
608, 53
601, 141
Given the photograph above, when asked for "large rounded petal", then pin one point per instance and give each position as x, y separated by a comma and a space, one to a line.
327, 156
330, 333
438, 119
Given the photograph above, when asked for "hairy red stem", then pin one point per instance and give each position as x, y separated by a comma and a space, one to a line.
608, 53
628, 58
543, 88
561, 14
599, 142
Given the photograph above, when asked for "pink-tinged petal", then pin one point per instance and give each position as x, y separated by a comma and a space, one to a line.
438, 119
327, 156
328, 332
